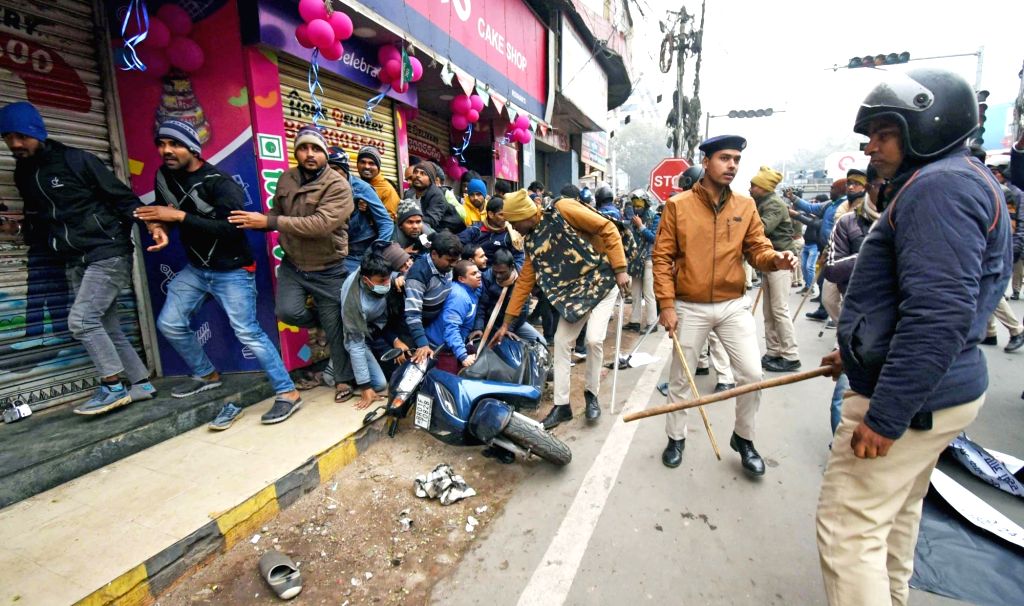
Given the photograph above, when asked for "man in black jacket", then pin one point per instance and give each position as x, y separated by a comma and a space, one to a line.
438, 213
927, 277
196, 195
85, 214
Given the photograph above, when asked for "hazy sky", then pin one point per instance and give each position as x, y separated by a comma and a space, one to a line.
759, 55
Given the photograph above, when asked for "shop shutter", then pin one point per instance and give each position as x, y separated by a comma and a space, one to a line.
49, 56
344, 124
429, 137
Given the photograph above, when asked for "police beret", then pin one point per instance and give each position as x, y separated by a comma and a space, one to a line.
714, 144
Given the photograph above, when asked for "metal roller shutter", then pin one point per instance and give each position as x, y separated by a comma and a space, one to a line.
48, 55
429, 137
343, 106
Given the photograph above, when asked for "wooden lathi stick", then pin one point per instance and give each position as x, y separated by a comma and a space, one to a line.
807, 295
757, 299
693, 389
728, 394
494, 316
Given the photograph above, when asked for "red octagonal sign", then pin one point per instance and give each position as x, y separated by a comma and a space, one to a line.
665, 177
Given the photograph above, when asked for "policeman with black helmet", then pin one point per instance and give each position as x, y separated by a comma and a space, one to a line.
928, 276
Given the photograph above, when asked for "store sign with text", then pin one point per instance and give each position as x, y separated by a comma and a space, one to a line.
500, 42
594, 150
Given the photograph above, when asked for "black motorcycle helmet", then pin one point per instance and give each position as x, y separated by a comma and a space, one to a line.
603, 195
936, 110
690, 176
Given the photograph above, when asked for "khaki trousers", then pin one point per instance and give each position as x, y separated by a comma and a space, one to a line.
719, 359
643, 287
1004, 313
735, 326
1018, 275
798, 273
779, 335
832, 299
565, 340
869, 510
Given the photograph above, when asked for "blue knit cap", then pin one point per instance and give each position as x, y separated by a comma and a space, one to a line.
477, 186
23, 118
182, 132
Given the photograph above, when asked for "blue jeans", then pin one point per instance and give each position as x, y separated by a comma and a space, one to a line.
809, 258
842, 386
235, 291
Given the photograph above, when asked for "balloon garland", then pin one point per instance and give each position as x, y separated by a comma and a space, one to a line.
323, 30
166, 37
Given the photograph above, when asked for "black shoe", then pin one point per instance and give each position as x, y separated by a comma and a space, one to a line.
781, 365
818, 314
724, 387
593, 411
830, 325
663, 388
816, 299
1015, 343
990, 340
550, 376
700, 372
558, 414
766, 358
752, 461
1016, 295
632, 326
673, 454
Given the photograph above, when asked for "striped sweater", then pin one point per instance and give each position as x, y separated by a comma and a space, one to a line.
426, 290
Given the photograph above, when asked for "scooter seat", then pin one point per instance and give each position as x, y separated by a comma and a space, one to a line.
490, 367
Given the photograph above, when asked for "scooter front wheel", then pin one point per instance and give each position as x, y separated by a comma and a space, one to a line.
530, 435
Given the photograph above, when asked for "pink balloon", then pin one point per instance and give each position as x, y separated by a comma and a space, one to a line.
302, 36
332, 52
393, 69
176, 19
399, 86
525, 137
476, 102
159, 36
320, 33
522, 122
459, 122
472, 116
342, 25
387, 53
185, 54
155, 61
461, 104
312, 9
417, 68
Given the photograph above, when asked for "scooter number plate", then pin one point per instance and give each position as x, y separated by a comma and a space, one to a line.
424, 408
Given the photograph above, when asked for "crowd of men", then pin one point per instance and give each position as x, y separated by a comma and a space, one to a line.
909, 259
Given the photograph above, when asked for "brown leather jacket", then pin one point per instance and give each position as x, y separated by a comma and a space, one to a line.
312, 219
698, 252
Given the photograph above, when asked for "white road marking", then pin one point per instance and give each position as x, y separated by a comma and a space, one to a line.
552, 579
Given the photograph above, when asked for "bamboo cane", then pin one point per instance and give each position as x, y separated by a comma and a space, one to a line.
757, 299
618, 349
731, 393
693, 388
807, 295
494, 316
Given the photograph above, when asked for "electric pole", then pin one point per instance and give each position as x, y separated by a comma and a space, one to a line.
680, 48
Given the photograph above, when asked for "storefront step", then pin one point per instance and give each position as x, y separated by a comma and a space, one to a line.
46, 450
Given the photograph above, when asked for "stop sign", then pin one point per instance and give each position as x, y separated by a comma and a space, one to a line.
665, 177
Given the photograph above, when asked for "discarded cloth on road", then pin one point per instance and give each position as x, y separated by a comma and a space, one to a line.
443, 484
1000, 470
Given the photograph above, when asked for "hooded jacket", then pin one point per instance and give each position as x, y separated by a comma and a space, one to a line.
929, 274
699, 250
312, 218
364, 228
438, 213
74, 204
456, 320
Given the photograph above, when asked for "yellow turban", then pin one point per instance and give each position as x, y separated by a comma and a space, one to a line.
519, 206
767, 178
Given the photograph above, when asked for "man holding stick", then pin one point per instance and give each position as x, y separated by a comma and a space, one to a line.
928, 276
704, 236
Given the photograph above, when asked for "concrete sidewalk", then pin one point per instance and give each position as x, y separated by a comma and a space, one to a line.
125, 532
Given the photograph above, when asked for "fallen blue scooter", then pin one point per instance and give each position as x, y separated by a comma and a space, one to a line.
479, 406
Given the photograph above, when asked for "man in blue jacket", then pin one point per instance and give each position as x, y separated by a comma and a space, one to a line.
927, 277
370, 221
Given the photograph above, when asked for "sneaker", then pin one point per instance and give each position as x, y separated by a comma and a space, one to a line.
280, 411
227, 415
106, 398
142, 391
579, 355
830, 324
195, 385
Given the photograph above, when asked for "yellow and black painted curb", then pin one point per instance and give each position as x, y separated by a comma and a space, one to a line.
141, 584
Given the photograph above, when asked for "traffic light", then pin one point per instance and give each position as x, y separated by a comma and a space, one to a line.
979, 136
751, 113
877, 60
